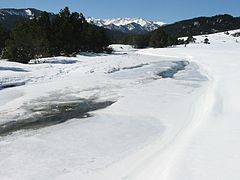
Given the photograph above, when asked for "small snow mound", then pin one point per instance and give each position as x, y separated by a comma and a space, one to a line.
55, 60
121, 48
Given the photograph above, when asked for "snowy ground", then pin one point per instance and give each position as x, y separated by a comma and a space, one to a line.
182, 127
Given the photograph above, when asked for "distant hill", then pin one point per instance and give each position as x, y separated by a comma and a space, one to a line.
8, 17
203, 25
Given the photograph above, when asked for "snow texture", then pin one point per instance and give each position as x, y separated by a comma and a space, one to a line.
182, 127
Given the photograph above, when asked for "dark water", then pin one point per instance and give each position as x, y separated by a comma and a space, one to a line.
16, 69
11, 85
134, 67
169, 73
53, 114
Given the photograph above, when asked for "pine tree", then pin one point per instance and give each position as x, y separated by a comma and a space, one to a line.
27, 41
158, 39
4, 35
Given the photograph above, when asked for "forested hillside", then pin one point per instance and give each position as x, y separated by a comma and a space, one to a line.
67, 33
203, 25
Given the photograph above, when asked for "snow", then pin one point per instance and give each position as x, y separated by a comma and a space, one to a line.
17, 12
185, 127
29, 12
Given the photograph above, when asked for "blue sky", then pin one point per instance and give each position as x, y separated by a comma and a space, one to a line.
162, 10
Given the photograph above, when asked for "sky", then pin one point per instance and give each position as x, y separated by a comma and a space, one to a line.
167, 11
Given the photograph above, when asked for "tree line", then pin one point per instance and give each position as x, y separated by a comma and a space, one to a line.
64, 34
156, 39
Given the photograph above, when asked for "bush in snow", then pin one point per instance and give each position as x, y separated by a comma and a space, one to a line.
206, 41
190, 39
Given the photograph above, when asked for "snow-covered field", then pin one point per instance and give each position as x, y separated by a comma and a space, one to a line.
174, 114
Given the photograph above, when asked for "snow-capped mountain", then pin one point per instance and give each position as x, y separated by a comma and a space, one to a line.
127, 25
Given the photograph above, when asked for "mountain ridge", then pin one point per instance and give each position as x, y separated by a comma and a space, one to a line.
203, 25
9, 16
126, 25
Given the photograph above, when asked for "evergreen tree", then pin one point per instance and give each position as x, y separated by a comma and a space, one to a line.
159, 39
4, 35
26, 42
141, 41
